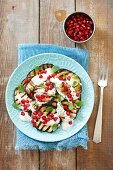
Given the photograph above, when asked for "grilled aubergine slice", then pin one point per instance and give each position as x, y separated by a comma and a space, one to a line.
30, 87
49, 111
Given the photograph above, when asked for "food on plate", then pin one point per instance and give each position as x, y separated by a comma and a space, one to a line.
49, 97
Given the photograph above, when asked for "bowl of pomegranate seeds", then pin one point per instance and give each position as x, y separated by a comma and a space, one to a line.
79, 27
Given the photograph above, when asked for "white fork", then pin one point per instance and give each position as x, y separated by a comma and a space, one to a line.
102, 82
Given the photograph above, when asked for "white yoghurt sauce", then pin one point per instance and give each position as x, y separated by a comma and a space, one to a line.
25, 118
37, 81
58, 84
65, 122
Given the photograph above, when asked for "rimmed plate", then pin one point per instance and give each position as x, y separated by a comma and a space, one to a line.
63, 62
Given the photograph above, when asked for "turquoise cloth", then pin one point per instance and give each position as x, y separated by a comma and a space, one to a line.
81, 138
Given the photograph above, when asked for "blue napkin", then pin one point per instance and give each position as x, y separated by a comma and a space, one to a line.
81, 138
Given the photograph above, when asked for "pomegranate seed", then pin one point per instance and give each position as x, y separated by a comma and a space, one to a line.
69, 91
44, 117
91, 31
40, 76
47, 83
40, 113
34, 117
34, 124
50, 87
65, 88
48, 119
70, 122
77, 94
27, 105
37, 96
81, 18
36, 107
51, 115
38, 117
44, 122
47, 95
25, 108
27, 101
84, 21
65, 107
68, 113
33, 121
46, 89
35, 112
53, 75
75, 38
55, 118
69, 78
22, 113
42, 96
49, 77
23, 101
90, 22
69, 96
40, 100
63, 84
71, 99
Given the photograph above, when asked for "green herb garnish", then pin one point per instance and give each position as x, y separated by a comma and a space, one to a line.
42, 85
16, 106
54, 127
55, 69
37, 69
60, 98
49, 109
59, 85
36, 103
64, 76
21, 88
74, 83
71, 106
53, 95
80, 103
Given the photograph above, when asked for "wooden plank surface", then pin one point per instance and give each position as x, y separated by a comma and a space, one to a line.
99, 156
18, 24
21, 21
51, 32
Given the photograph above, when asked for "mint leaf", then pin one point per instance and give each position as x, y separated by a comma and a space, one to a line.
21, 88
42, 85
64, 76
60, 98
16, 106
36, 103
55, 69
59, 85
49, 109
37, 68
71, 106
53, 95
74, 83
55, 126
80, 103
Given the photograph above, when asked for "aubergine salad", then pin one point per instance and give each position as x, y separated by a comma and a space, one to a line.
49, 97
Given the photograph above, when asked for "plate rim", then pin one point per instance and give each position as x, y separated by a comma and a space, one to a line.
38, 55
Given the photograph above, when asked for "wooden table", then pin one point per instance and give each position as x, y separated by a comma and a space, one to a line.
34, 21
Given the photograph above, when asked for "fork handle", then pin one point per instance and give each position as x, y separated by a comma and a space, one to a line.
98, 125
